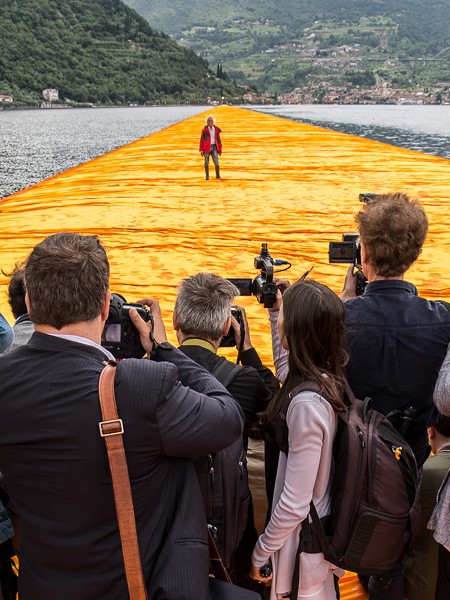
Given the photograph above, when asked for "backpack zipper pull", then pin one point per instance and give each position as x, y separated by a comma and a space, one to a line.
361, 438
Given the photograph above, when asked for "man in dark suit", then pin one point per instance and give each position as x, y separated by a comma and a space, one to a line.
202, 317
55, 462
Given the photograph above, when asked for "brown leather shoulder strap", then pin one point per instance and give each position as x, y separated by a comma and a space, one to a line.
111, 429
219, 569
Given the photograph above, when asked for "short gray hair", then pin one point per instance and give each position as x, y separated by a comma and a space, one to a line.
210, 117
203, 305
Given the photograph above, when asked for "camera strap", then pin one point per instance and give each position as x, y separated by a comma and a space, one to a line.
225, 372
111, 429
155, 344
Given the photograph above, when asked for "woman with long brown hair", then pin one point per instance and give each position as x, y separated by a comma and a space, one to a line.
309, 348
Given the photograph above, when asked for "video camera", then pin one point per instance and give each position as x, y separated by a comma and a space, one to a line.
119, 335
263, 286
349, 251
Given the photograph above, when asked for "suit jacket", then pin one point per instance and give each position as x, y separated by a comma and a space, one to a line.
56, 468
253, 387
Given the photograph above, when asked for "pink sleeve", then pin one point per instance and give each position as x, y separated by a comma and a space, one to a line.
309, 421
280, 355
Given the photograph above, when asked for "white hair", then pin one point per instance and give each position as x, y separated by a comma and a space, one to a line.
210, 117
203, 305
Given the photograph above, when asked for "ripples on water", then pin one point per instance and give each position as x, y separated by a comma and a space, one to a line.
422, 128
39, 143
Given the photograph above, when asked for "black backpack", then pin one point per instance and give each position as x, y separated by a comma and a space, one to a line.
375, 502
223, 482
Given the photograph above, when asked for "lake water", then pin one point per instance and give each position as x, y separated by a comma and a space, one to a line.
36, 144
422, 128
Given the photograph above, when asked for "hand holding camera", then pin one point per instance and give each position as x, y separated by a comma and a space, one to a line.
350, 282
130, 328
158, 328
282, 286
240, 327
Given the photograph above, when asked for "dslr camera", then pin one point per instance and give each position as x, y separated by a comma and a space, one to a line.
263, 286
119, 335
229, 340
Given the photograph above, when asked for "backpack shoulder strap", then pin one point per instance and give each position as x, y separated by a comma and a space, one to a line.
307, 386
226, 372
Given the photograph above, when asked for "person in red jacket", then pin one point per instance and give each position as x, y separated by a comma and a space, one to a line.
210, 145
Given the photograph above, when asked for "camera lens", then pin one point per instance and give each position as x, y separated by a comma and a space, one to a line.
265, 571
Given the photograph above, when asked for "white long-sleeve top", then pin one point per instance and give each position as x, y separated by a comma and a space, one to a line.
303, 475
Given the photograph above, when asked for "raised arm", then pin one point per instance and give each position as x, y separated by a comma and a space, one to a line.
196, 414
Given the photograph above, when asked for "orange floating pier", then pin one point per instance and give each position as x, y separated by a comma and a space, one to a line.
292, 185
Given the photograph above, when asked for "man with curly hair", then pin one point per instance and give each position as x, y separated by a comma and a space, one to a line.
397, 339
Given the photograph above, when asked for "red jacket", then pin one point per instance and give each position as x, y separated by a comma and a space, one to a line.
205, 140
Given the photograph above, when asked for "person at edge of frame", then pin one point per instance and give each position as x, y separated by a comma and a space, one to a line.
54, 459
397, 340
427, 572
202, 317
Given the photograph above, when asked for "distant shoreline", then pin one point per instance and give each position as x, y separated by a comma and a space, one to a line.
212, 106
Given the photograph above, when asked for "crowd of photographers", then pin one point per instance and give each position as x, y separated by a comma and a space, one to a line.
191, 417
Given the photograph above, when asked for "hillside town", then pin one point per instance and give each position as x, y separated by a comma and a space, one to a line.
334, 63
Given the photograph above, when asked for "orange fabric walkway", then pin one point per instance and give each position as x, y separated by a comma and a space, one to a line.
294, 186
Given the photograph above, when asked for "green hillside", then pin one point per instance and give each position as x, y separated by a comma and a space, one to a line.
98, 51
278, 44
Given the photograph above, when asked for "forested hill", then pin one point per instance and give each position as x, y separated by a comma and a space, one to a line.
98, 51
279, 44
423, 22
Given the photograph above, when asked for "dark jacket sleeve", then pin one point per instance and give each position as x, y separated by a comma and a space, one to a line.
195, 412
251, 357
250, 389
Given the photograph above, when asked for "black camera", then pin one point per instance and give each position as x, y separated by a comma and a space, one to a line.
263, 286
367, 197
349, 251
265, 571
119, 335
229, 340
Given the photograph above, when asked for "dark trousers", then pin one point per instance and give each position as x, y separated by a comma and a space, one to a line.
385, 587
215, 158
443, 576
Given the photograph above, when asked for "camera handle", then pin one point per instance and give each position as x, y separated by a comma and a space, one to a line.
361, 281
